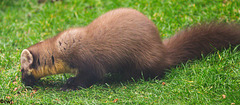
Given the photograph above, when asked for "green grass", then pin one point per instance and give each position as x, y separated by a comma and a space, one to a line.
204, 81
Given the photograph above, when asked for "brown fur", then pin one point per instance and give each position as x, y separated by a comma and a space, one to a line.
121, 41
201, 39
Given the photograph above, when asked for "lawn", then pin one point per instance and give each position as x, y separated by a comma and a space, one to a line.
214, 79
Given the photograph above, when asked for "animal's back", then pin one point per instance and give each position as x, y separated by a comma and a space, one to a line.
122, 39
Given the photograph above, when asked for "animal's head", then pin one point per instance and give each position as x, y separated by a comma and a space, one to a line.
27, 68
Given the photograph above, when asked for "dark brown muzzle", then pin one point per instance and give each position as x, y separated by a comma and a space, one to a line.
28, 80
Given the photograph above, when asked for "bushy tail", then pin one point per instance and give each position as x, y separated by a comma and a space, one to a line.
201, 39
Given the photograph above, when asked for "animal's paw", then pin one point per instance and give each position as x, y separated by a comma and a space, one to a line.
72, 84
68, 88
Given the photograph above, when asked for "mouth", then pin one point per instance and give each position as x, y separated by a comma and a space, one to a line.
29, 80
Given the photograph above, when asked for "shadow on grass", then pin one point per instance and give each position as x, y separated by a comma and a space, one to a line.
111, 81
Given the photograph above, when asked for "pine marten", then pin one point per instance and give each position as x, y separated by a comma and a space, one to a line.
121, 41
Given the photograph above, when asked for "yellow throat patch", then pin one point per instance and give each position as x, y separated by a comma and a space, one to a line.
58, 68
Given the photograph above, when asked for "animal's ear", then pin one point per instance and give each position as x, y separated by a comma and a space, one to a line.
26, 58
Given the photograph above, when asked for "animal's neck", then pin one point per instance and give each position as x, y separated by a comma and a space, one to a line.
48, 60
58, 68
